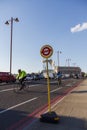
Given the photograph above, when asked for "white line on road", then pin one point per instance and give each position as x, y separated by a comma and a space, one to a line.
55, 89
6, 90
34, 85
18, 105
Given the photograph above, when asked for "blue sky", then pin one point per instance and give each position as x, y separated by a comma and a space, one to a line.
59, 23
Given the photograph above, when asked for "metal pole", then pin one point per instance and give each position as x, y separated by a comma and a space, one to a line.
7, 22
58, 59
69, 65
11, 46
48, 84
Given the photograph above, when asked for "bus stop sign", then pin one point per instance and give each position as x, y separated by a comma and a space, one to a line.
46, 51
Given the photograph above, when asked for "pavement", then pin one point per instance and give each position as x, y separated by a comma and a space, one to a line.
71, 109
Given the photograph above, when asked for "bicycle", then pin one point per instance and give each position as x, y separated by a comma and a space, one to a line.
18, 85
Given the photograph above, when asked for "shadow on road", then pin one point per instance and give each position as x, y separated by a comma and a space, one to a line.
14, 119
65, 123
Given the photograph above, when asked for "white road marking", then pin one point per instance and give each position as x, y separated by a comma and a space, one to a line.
55, 89
34, 85
53, 81
6, 90
17, 105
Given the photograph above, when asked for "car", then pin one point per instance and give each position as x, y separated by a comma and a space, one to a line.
29, 77
76, 76
66, 76
7, 77
36, 77
51, 75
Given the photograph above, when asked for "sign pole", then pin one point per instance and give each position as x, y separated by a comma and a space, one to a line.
48, 82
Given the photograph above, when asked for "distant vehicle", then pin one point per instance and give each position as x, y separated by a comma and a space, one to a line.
33, 77
36, 77
77, 76
66, 75
29, 77
51, 75
7, 77
41, 76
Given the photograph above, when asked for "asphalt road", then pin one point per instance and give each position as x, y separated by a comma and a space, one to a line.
15, 107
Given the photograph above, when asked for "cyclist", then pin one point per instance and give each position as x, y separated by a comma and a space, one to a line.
59, 76
21, 77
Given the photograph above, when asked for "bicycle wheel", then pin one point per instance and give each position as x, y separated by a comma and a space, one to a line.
16, 87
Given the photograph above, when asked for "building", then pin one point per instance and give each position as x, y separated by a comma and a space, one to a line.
68, 70
63, 70
52, 69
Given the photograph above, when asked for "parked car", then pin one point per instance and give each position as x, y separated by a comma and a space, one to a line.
29, 77
36, 77
51, 75
77, 76
7, 77
66, 76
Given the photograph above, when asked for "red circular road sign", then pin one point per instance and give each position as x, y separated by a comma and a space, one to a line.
46, 51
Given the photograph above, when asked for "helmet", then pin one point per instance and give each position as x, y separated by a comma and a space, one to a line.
19, 70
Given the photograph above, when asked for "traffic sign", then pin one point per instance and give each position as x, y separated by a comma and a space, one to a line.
46, 51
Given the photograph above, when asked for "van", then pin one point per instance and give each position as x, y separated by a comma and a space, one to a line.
51, 75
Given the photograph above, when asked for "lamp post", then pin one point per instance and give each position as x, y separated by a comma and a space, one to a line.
7, 23
68, 65
58, 52
68, 61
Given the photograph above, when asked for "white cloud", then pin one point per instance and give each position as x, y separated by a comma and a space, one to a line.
79, 27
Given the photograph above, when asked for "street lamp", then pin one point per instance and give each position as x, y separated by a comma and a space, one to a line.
58, 52
68, 65
7, 23
68, 61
